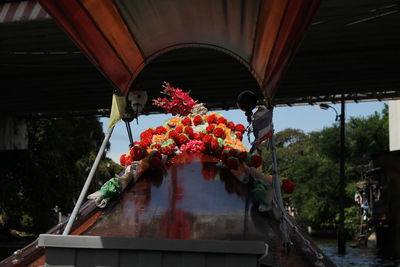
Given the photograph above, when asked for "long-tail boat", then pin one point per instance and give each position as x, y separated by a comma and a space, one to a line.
205, 208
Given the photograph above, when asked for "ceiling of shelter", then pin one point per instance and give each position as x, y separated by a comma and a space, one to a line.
351, 47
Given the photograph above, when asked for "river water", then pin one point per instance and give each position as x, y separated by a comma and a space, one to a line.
359, 257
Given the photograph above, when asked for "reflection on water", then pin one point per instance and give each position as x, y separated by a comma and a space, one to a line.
360, 257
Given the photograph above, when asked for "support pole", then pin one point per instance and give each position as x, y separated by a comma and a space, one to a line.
341, 233
128, 129
87, 182
278, 194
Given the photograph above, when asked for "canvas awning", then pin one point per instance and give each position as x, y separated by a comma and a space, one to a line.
121, 37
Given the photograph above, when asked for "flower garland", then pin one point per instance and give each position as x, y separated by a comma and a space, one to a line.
194, 130
211, 133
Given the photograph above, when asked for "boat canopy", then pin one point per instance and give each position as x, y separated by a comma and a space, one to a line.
121, 37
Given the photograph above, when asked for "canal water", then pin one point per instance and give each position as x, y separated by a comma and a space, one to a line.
355, 256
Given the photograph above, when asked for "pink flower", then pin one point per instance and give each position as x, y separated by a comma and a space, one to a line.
193, 146
176, 102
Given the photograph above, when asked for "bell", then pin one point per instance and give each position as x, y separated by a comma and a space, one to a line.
247, 101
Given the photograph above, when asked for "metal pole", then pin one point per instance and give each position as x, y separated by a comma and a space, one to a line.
128, 129
278, 194
341, 233
87, 182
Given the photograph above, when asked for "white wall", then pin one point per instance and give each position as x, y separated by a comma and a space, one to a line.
394, 125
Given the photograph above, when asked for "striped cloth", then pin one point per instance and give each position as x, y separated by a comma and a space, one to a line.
22, 11
262, 126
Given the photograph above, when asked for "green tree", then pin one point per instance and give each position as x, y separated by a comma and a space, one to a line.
290, 144
312, 162
50, 172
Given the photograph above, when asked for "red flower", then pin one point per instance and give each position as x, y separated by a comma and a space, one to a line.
122, 159
219, 132
172, 134
199, 136
232, 163
166, 150
155, 163
182, 139
197, 120
128, 161
239, 127
179, 129
214, 144
231, 125
160, 130
288, 186
228, 147
211, 119
156, 146
147, 134
207, 139
222, 120
239, 136
145, 142
187, 121
210, 128
203, 148
137, 153
255, 161
189, 132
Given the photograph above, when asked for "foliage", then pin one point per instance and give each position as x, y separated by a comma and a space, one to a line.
312, 162
51, 172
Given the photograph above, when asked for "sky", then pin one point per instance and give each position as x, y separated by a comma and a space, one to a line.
306, 118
